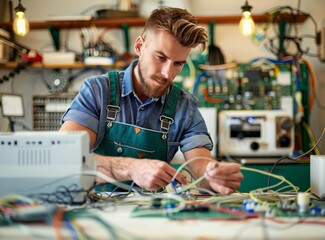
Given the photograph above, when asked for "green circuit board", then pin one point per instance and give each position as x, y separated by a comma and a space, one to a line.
229, 211
249, 86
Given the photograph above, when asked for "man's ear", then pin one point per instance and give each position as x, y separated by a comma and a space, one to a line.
138, 45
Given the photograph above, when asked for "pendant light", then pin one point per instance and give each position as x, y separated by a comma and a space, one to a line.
246, 24
21, 24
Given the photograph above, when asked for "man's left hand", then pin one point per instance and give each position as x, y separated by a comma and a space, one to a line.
223, 178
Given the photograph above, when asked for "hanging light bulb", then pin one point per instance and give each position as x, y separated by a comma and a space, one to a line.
21, 24
246, 24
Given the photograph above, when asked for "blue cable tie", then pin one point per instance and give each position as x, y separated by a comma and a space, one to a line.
174, 185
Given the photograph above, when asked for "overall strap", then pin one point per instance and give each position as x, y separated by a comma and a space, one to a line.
169, 110
113, 99
114, 88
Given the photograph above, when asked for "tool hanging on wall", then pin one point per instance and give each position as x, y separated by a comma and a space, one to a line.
127, 56
215, 55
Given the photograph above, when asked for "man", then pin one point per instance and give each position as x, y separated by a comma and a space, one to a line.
137, 119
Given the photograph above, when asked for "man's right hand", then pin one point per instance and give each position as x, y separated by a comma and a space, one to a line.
146, 173
153, 174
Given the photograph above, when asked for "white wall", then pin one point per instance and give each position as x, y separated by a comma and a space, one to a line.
234, 46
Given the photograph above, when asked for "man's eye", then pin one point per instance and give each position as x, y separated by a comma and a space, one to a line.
161, 58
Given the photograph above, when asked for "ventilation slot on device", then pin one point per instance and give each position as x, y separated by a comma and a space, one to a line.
34, 157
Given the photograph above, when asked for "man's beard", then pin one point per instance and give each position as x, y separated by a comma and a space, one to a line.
150, 91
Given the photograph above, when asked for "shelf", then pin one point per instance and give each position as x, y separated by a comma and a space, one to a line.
76, 65
140, 21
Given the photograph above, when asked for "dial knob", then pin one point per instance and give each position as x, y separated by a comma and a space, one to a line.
284, 141
255, 146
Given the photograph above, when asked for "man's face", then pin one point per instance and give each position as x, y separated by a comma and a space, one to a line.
161, 58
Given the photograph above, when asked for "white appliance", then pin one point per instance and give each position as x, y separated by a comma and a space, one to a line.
41, 162
251, 133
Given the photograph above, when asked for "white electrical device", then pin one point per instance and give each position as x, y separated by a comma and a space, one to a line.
41, 162
252, 133
317, 175
59, 57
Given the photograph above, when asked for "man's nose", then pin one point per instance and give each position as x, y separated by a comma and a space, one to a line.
166, 70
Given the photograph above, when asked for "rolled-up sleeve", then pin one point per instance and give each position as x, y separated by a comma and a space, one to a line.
196, 141
86, 108
190, 126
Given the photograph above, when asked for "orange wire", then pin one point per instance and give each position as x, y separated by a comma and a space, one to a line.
312, 83
57, 223
208, 98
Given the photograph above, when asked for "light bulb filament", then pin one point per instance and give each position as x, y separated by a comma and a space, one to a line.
20, 24
246, 24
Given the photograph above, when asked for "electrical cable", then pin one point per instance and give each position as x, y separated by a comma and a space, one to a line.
311, 137
197, 82
275, 13
296, 158
283, 179
20, 67
124, 186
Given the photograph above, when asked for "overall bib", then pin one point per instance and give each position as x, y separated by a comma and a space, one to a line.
127, 140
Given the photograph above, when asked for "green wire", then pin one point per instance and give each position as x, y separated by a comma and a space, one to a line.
200, 179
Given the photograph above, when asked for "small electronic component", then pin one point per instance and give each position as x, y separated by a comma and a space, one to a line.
287, 205
156, 202
303, 201
251, 206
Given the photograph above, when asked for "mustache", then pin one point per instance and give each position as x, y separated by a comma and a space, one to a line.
160, 79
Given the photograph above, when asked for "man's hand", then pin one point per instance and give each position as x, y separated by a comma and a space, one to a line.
224, 178
153, 174
220, 177
146, 173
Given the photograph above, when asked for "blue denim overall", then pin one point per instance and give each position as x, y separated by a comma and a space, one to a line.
127, 140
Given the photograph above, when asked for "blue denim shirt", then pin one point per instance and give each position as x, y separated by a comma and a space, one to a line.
89, 109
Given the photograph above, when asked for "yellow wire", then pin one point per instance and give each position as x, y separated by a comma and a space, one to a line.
311, 137
272, 175
307, 190
283, 179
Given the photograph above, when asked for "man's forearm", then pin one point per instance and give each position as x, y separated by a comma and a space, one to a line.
117, 168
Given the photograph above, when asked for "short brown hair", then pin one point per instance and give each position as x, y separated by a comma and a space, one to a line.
178, 22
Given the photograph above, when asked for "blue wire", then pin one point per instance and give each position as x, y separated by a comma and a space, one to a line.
71, 229
197, 82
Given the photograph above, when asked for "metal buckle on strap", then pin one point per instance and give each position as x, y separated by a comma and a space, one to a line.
111, 112
165, 123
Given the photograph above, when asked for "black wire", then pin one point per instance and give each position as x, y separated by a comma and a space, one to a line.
24, 126
63, 196
296, 158
293, 38
275, 164
21, 66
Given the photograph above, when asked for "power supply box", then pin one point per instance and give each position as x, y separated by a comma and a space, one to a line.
42, 162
